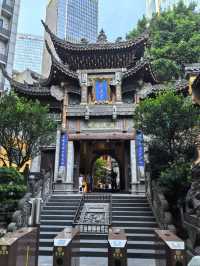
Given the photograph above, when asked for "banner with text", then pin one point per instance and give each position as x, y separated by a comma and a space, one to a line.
140, 148
63, 150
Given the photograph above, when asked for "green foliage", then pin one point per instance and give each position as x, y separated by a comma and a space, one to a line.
175, 182
100, 168
172, 124
159, 158
24, 128
12, 185
174, 37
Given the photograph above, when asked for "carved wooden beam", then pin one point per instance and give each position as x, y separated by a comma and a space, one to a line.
102, 136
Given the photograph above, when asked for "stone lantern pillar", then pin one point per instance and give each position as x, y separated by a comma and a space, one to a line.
118, 84
84, 87
134, 172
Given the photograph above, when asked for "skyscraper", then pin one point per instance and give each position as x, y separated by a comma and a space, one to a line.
155, 6
9, 13
150, 8
28, 52
71, 20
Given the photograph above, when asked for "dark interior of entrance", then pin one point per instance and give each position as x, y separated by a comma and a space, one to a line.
87, 152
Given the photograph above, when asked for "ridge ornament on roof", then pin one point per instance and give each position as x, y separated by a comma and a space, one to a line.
102, 38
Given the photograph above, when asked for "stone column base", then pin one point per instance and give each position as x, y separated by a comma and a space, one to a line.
135, 188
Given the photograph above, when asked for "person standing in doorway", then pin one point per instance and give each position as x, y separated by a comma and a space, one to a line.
81, 183
90, 180
114, 181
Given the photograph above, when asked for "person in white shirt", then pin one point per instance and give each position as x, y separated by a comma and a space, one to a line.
81, 183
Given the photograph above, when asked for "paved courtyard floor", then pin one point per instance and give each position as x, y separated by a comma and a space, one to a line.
47, 261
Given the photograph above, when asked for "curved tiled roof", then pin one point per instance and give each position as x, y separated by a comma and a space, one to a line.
60, 68
25, 88
142, 65
99, 55
95, 46
41, 87
180, 86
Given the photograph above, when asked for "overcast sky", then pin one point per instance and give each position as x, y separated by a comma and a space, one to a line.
116, 17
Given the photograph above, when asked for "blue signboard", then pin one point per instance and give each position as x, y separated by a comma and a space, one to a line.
140, 149
101, 90
63, 149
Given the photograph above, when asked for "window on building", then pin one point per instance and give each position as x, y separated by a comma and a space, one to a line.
1, 23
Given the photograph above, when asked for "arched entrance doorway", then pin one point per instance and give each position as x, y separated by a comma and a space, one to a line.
105, 174
87, 152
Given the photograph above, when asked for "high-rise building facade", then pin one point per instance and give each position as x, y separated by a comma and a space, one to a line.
28, 53
170, 3
9, 13
71, 20
150, 8
156, 6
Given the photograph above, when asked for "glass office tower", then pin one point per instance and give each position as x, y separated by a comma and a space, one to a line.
76, 19
71, 20
9, 13
28, 52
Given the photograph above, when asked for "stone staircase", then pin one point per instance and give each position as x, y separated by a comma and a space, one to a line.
58, 213
131, 213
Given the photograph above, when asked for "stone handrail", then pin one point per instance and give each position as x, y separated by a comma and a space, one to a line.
39, 186
191, 214
159, 205
21, 216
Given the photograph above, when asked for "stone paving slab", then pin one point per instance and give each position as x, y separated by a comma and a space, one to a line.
45, 261
48, 261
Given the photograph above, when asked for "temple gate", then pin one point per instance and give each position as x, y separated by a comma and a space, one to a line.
92, 90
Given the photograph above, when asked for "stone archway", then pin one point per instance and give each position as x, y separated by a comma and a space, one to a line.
87, 151
113, 158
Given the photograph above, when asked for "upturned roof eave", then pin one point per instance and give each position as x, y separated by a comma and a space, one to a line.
57, 68
60, 43
141, 65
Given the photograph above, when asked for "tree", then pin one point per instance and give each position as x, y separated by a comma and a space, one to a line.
24, 127
174, 38
12, 186
175, 182
172, 124
100, 168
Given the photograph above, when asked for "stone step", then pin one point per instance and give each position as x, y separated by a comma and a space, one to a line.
103, 243
128, 200
133, 224
66, 197
133, 213
58, 212
57, 217
116, 218
62, 204
49, 228
130, 204
63, 223
103, 252
131, 236
65, 193
64, 208
61, 199
130, 209
127, 196
139, 229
